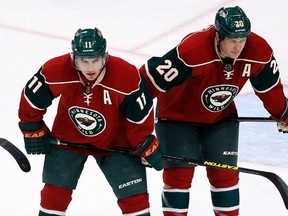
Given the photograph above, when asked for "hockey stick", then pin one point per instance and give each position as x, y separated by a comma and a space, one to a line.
18, 155
239, 119
275, 179
253, 119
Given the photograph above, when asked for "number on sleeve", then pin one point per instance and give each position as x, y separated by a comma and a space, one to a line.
35, 84
167, 71
141, 101
274, 66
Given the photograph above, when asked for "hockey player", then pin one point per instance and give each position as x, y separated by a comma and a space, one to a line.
195, 84
103, 102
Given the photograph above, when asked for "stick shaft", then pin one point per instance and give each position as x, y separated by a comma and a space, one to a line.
254, 119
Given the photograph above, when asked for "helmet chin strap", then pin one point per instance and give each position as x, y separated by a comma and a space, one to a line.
88, 84
105, 60
217, 44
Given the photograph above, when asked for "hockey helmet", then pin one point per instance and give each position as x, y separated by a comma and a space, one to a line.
88, 43
232, 22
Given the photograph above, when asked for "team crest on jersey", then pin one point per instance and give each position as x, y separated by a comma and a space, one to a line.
88, 122
217, 98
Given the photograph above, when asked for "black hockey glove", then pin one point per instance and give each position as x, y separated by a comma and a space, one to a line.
148, 150
36, 137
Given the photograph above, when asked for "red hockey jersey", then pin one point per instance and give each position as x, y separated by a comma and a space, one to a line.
208, 83
116, 111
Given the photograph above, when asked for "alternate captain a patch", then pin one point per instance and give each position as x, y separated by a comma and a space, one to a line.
217, 98
88, 122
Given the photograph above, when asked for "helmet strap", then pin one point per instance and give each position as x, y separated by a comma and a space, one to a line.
217, 42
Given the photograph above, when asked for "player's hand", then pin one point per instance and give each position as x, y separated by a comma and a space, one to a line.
36, 137
149, 151
282, 123
282, 127
154, 160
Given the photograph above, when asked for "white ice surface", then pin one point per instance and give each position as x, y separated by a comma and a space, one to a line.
34, 31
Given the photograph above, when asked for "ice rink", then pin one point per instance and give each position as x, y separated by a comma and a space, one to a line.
33, 31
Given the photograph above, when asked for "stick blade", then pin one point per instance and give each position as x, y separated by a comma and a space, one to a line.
280, 184
18, 155
274, 178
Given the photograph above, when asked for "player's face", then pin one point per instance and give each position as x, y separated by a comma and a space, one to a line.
232, 47
90, 67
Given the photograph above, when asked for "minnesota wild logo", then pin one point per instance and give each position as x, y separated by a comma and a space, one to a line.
88, 122
217, 98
